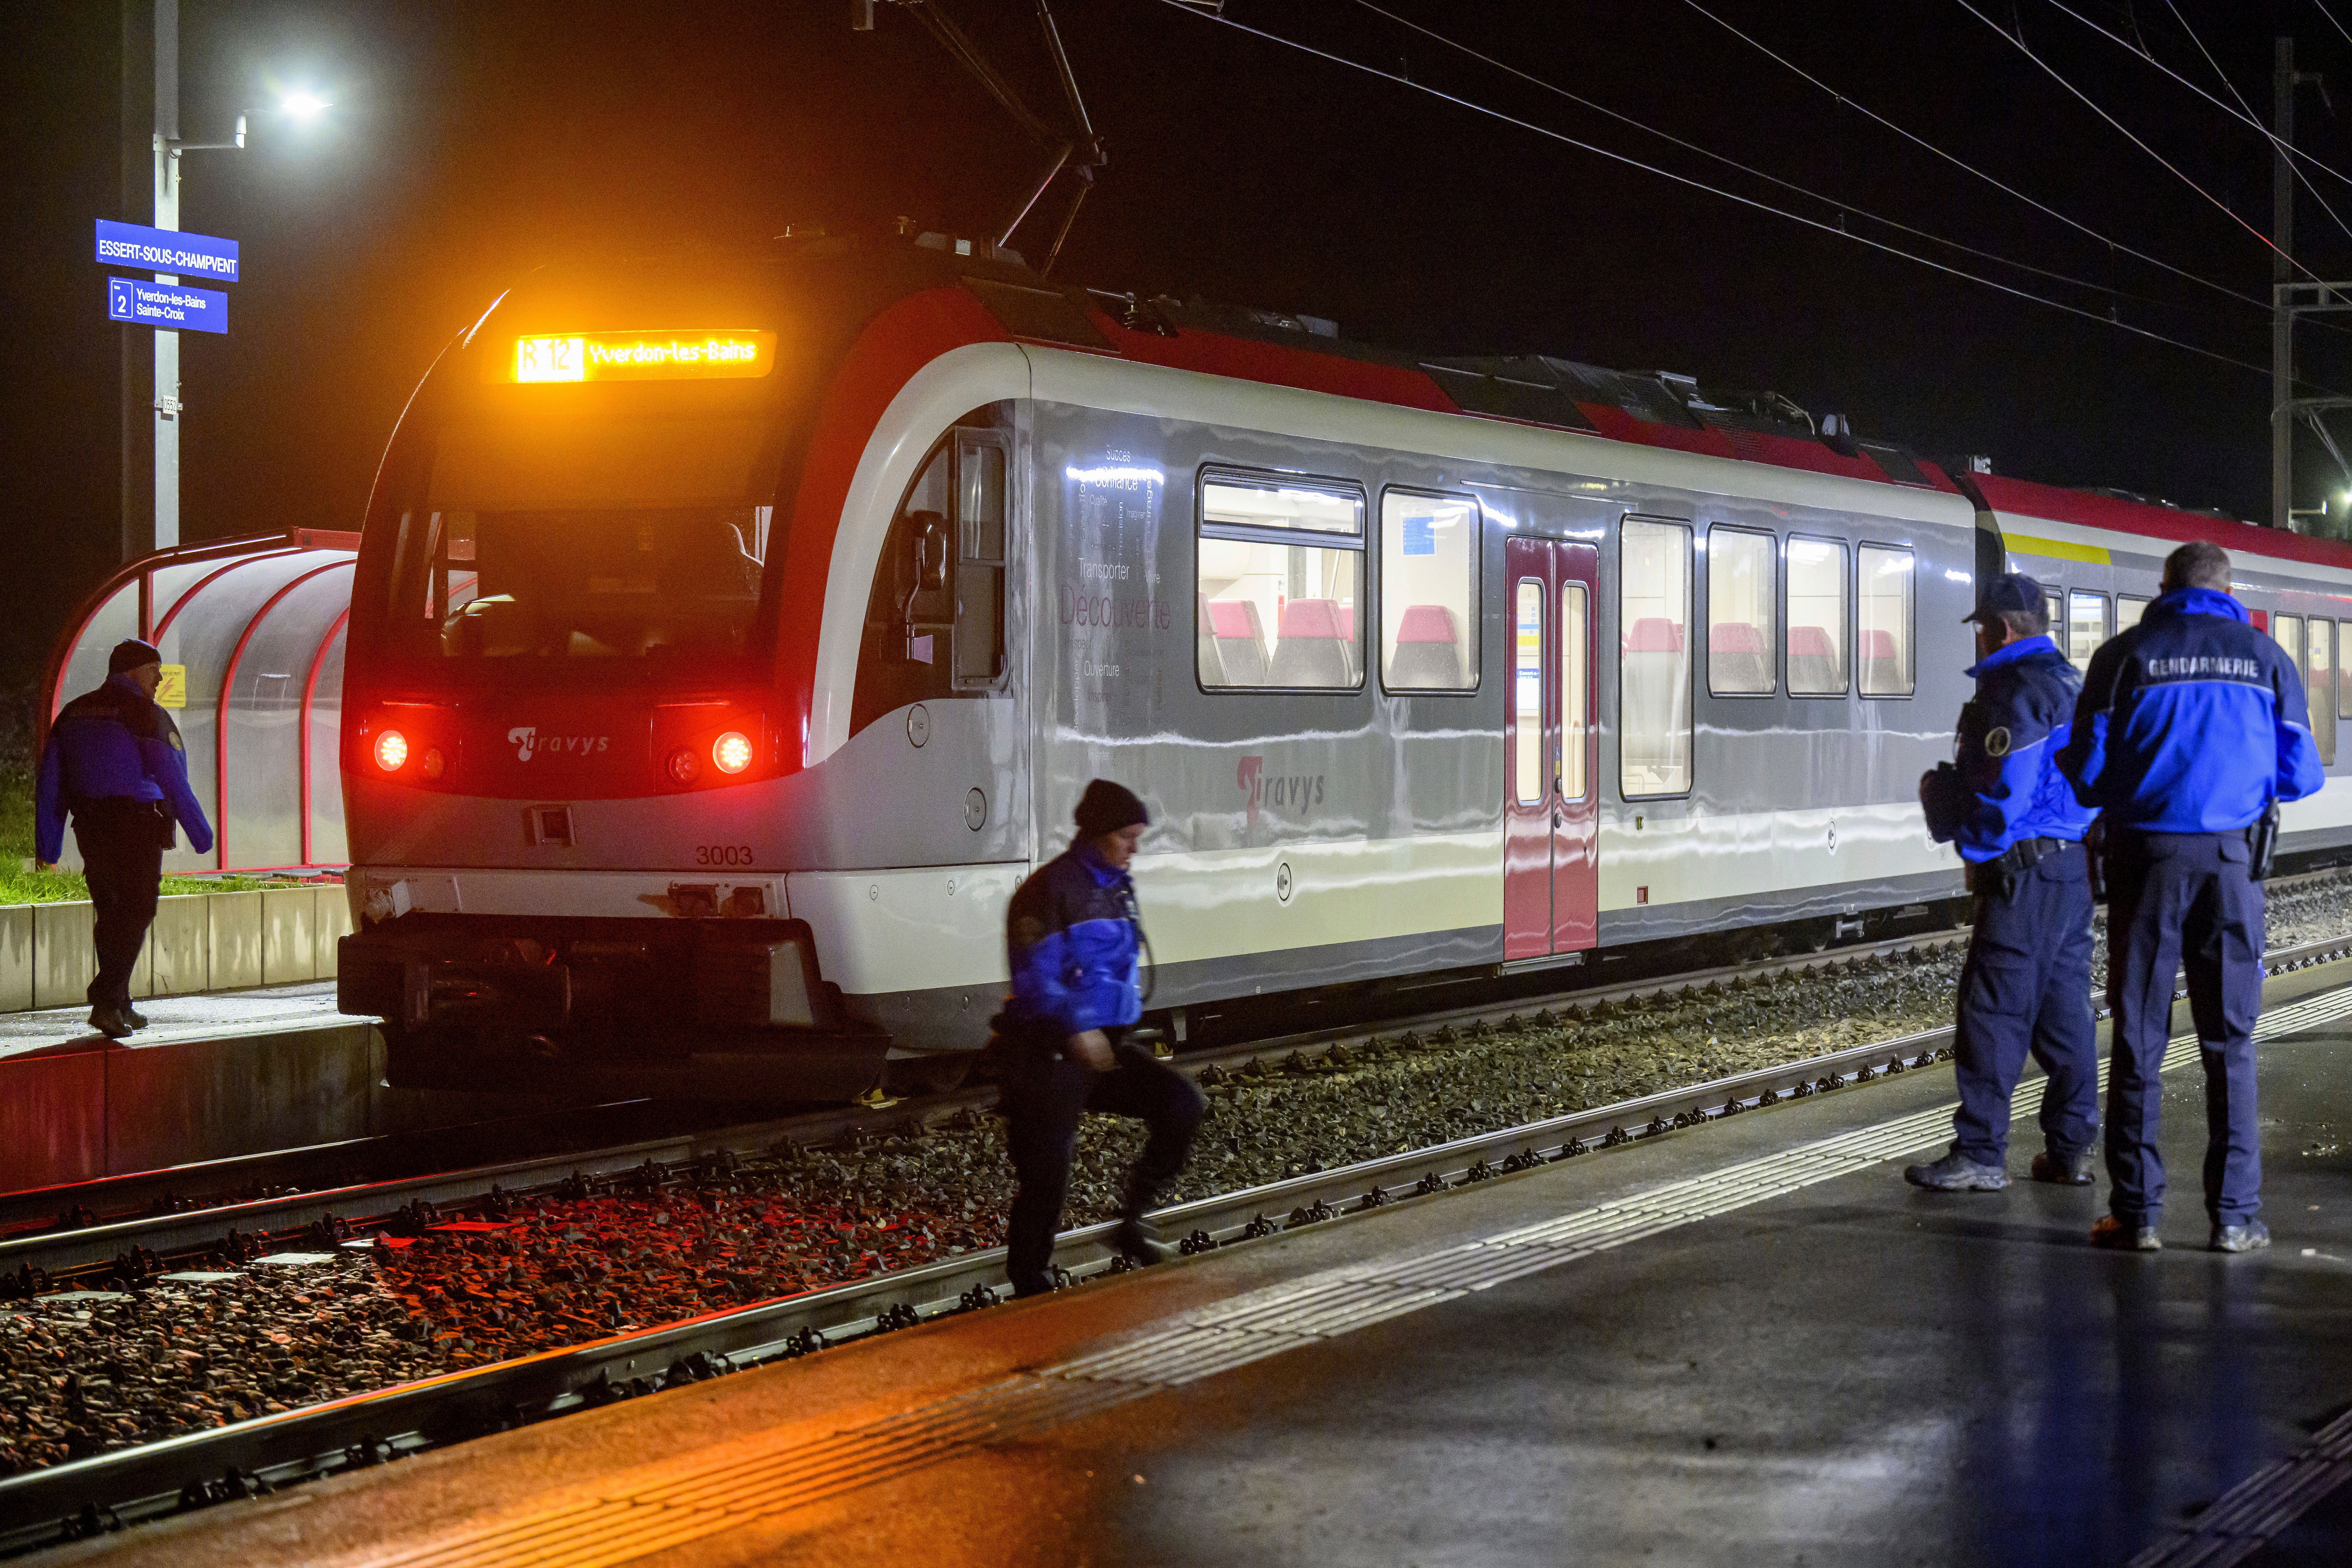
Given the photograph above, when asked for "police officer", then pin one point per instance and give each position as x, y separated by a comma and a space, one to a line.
1073, 939
2191, 726
115, 761
2026, 985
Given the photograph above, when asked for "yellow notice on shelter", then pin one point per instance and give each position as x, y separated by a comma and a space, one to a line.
171, 691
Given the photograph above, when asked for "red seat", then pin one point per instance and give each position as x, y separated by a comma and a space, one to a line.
1737, 659
1240, 642
1309, 649
1814, 666
1654, 634
1428, 651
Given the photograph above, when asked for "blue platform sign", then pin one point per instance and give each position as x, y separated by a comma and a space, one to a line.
170, 305
171, 250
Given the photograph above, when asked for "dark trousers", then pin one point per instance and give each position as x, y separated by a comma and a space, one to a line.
2175, 900
1043, 1096
122, 860
2026, 987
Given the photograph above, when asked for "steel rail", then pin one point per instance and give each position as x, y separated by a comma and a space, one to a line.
90, 1496
58, 1252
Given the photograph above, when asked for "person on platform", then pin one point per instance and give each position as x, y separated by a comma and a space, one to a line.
1074, 941
2026, 984
2191, 727
114, 761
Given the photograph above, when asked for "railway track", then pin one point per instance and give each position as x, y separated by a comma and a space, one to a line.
87, 1497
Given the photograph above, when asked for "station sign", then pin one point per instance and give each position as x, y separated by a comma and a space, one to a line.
172, 250
173, 306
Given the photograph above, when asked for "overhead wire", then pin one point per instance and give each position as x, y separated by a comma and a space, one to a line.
1630, 161
2022, 47
2321, 6
2294, 154
1993, 180
1838, 204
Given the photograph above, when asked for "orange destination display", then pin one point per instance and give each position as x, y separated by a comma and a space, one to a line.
643, 356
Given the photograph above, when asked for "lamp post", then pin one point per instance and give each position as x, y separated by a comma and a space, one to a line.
169, 149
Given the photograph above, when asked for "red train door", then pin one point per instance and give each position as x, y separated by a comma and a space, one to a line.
1550, 845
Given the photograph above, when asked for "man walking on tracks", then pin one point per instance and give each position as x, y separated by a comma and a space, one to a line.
2026, 985
2192, 727
1073, 939
114, 760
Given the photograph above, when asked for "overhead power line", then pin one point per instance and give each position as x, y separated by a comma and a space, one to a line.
1546, 132
2294, 155
1996, 182
1838, 204
2321, 6
2020, 46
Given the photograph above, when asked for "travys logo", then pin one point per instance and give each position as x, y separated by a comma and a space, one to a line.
528, 743
1279, 791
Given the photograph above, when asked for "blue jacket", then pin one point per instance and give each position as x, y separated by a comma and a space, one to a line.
2192, 721
108, 743
2003, 784
1072, 938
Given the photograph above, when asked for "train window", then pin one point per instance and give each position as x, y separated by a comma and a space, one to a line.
1654, 707
1817, 618
2343, 684
2287, 631
935, 614
2086, 626
1884, 619
2128, 609
1575, 688
641, 582
1526, 690
980, 462
2054, 610
1275, 610
1428, 593
1740, 605
2320, 687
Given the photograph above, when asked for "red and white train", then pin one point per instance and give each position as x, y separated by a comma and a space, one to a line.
729, 638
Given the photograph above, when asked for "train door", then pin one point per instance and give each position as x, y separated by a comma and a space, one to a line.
1550, 843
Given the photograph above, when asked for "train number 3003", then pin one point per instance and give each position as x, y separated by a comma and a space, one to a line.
723, 855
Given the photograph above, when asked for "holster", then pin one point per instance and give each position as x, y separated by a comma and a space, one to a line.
2262, 844
2095, 845
1998, 878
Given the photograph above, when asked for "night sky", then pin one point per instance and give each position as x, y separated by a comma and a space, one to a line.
471, 143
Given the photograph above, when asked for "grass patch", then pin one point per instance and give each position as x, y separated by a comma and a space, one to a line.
20, 885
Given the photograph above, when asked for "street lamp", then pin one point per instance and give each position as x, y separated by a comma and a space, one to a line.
169, 149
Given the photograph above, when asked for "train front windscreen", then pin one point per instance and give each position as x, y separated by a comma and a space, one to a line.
591, 501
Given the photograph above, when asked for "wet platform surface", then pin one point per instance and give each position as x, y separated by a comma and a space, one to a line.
179, 1020
1735, 1365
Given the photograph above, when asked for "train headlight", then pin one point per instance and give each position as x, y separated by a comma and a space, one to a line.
731, 751
685, 767
435, 765
391, 750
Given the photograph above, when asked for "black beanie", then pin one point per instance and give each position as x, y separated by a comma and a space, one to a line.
1107, 807
130, 654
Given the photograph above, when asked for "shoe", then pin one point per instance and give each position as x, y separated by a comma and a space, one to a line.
2250, 1236
2116, 1237
2063, 1170
138, 1020
109, 1022
1042, 1285
1139, 1244
1955, 1172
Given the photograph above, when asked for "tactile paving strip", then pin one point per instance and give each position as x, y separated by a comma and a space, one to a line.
720, 1496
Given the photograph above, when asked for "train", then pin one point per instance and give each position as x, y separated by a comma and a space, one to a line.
730, 636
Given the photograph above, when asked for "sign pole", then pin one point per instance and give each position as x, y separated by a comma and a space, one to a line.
167, 216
